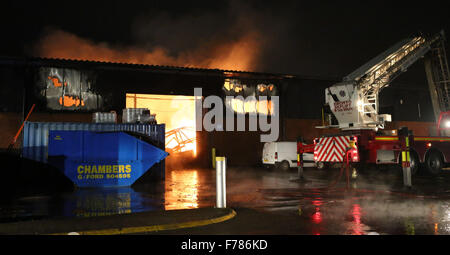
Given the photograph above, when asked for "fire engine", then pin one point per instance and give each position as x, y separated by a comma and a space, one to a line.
354, 104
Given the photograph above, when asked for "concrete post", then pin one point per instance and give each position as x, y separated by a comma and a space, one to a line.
221, 188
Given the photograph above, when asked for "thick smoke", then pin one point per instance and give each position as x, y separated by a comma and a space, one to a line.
233, 38
239, 54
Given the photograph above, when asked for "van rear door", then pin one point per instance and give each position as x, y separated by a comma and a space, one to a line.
268, 155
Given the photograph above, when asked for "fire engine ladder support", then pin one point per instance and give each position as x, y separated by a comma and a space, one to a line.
438, 77
370, 106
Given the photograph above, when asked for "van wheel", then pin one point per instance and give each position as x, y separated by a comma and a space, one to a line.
434, 163
283, 165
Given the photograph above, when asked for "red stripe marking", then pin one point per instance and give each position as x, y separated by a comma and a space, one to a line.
320, 151
340, 145
325, 150
344, 143
334, 157
328, 156
318, 148
331, 151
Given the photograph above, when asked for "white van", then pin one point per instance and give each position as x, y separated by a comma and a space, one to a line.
283, 155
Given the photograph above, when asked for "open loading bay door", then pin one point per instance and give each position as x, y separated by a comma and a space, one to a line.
178, 113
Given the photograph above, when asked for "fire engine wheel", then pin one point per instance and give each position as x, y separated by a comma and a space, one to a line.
415, 163
434, 163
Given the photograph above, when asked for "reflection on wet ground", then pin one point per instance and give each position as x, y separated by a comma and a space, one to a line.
81, 203
182, 188
375, 203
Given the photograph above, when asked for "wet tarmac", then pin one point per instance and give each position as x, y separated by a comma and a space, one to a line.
374, 203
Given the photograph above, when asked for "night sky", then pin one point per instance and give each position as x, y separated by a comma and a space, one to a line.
328, 39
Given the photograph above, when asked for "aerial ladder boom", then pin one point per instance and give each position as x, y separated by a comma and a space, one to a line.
354, 101
438, 77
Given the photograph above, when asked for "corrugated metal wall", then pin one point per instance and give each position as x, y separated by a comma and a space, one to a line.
35, 134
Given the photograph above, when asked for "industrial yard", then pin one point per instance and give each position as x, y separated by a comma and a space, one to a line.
265, 202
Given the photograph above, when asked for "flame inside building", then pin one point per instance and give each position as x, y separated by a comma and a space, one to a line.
68, 89
247, 99
177, 112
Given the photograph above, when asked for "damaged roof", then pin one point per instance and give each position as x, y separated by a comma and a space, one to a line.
101, 65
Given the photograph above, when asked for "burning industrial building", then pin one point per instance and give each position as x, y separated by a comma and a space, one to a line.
224, 52
72, 90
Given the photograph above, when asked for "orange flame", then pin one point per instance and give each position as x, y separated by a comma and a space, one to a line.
71, 101
56, 82
240, 54
68, 101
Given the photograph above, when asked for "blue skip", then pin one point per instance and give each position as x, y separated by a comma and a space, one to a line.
101, 159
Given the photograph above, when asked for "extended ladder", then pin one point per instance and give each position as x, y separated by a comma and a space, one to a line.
438, 76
